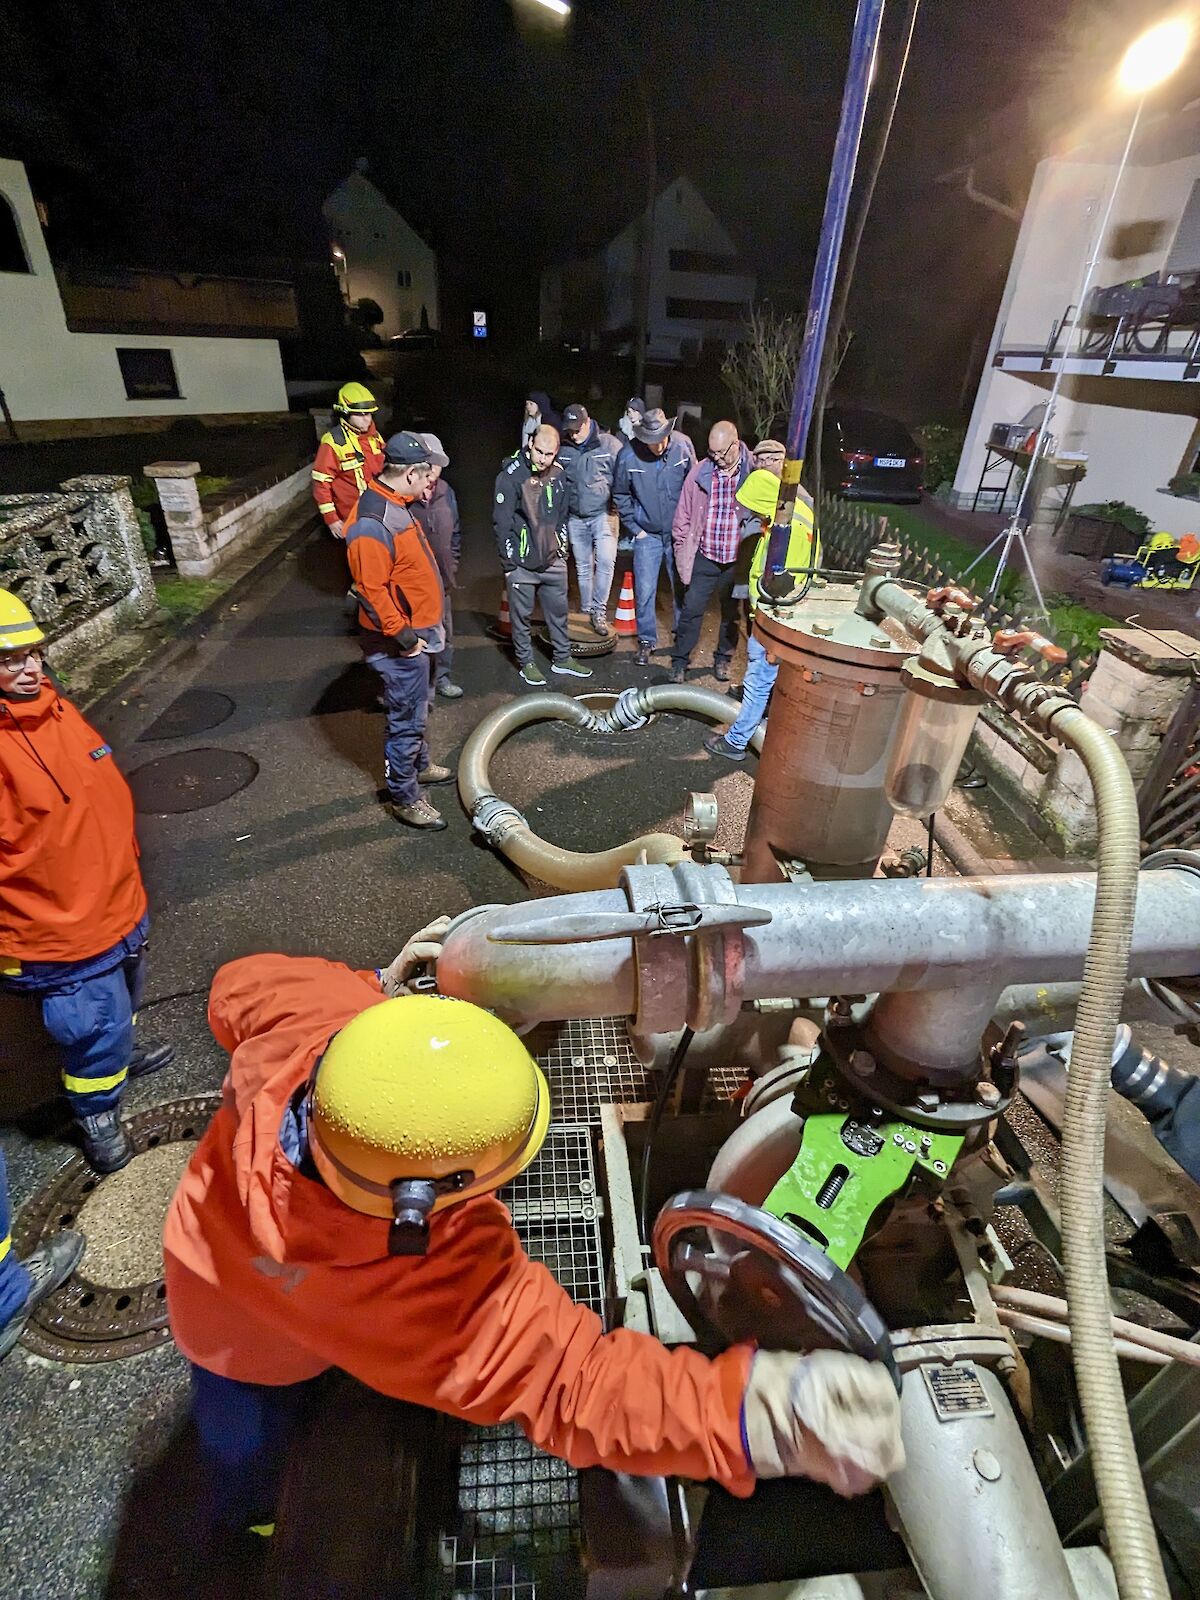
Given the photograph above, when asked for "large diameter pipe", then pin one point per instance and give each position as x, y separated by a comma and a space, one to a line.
845, 936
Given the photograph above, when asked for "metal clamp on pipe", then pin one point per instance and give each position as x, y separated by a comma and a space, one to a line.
494, 819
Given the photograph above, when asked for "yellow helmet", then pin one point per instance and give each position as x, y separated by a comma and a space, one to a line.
421, 1102
17, 626
355, 397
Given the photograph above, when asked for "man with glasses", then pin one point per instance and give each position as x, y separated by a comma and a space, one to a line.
401, 608
73, 918
706, 533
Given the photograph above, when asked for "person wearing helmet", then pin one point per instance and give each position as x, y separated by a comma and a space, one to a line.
341, 1212
73, 918
348, 457
758, 497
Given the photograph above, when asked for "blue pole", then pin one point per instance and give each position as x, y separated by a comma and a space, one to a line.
863, 44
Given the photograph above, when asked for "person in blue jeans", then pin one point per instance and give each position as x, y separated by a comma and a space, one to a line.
25, 1284
759, 496
588, 456
647, 483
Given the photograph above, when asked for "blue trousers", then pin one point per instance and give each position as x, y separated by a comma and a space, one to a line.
406, 702
594, 546
15, 1282
650, 551
88, 1009
756, 691
245, 1431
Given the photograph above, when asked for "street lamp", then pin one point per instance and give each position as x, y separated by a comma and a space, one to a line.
559, 7
1148, 62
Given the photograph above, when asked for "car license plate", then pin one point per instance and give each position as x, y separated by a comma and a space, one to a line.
890, 461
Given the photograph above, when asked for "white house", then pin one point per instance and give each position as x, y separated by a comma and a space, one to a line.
1130, 394
379, 257
699, 288
52, 374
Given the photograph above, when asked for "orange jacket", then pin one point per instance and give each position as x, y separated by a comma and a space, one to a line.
70, 887
393, 566
270, 1279
345, 464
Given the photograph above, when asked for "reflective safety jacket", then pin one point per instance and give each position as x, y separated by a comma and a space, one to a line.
271, 1279
345, 464
803, 549
70, 886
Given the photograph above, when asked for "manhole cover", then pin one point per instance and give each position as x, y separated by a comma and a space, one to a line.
191, 780
584, 642
116, 1304
192, 712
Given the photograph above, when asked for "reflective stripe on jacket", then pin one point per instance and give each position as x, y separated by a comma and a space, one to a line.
804, 548
345, 464
271, 1279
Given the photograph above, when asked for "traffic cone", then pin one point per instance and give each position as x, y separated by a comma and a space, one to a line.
625, 620
503, 625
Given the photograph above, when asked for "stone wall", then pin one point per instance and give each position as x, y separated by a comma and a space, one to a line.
206, 534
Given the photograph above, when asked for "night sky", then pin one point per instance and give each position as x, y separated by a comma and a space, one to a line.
212, 131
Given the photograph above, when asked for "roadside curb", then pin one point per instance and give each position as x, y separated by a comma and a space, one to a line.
167, 651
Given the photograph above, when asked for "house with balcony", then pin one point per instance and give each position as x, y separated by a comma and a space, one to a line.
378, 256
700, 288
91, 347
1130, 355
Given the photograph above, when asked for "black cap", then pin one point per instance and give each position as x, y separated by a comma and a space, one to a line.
574, 417
406, 450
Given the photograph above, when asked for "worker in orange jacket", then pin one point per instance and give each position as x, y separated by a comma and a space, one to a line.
73, 917
348, 457
340, 1213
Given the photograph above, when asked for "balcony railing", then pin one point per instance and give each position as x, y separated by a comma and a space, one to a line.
1145, 334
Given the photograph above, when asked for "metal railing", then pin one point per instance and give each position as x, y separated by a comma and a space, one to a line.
1149, 334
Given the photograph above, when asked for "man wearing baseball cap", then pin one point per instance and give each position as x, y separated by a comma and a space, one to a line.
437, 512
647, 484
401, 605
588, 456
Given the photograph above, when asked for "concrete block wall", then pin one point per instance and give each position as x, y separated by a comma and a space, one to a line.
206, 534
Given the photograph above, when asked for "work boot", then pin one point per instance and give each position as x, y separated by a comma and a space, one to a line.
645, 653
435, 774
448, 690
107, 1146
600, 625
49, 1267
532, 675
150, 1057
678, 674
419, 815
718, 745
721, 671
572, 667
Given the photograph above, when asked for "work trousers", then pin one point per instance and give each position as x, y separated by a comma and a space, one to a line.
444, 660
15, 1282
88, 1009
756, 691
708, 578
524, 589
245, 1432
594, 546
406, 706
651, 551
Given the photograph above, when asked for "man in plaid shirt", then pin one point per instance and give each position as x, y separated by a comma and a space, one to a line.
706, 534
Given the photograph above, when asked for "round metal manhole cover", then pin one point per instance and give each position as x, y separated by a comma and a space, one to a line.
115, 1304
194, 711
191, 780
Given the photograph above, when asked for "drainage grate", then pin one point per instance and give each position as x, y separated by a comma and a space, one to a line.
190, 780
86, 1321
194, 711
556, 1212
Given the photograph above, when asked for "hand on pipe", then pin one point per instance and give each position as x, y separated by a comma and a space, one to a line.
828, 1416
422, 950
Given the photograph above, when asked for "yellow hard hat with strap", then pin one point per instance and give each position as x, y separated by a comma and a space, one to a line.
421, 1102
17, 626
355, 397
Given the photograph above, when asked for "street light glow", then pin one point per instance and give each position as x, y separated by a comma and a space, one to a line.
559, 7
1155, 55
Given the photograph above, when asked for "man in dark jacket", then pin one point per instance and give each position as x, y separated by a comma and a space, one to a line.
588, 456
647, 484
530, 520
437, 513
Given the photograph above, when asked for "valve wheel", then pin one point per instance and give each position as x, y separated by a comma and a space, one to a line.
737, 1273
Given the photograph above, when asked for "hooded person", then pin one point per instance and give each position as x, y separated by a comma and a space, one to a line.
73, 914
341, 1212
635, 410
540, 411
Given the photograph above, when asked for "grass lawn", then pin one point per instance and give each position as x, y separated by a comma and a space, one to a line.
1068, 619
184, 597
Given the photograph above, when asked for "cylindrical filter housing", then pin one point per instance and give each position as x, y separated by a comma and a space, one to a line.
819, 798
931, 740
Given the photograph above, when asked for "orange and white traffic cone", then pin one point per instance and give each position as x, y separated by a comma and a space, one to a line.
625, 620
503, 624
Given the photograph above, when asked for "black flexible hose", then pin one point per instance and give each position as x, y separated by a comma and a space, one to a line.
656, 1115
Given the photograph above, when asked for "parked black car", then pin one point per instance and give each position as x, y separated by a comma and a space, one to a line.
417, 339
867, 456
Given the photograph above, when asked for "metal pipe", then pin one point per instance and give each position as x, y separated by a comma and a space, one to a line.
932, 1035
863, 43
1049, 1305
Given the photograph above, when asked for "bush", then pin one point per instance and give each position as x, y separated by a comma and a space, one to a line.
1186, 484
942, 446
1118, 511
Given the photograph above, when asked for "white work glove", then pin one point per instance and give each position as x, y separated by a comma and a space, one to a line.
829, 1416
337, 529
422, 950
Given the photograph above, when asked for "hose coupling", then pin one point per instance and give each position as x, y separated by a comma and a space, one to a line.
625, 715
495, 819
